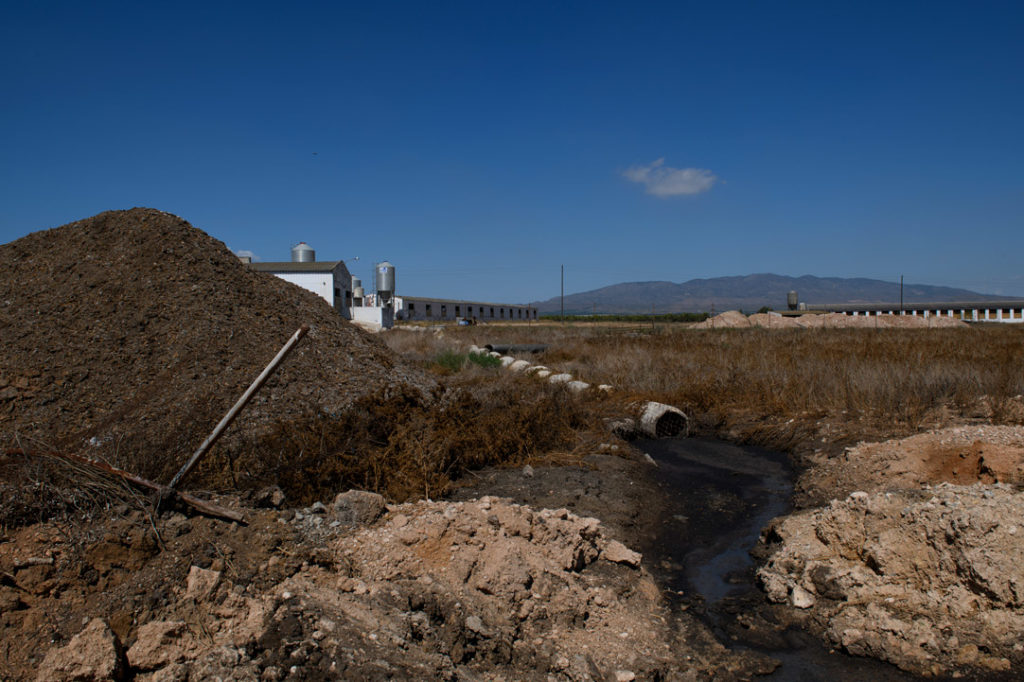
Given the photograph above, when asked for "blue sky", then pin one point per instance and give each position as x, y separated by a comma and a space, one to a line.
479, 146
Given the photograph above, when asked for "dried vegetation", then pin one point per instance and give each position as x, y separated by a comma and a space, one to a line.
784, 387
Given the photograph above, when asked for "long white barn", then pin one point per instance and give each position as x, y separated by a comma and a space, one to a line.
332, 281
1006, 311
420, 308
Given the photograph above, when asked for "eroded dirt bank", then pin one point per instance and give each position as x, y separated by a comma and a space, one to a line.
916, 560
484, 586
478, 589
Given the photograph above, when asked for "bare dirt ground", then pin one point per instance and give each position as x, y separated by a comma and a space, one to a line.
484, 588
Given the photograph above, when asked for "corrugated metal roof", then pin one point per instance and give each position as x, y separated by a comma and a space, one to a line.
289, 266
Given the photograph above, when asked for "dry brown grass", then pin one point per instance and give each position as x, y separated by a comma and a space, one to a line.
405, 446
780, 388
773, 386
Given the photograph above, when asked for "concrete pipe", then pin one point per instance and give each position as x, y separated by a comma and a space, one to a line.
494, 355
519, 366
658, 420
543, 373
577, 386
560, 378
538, 369
607, 388
476, 350
623, 427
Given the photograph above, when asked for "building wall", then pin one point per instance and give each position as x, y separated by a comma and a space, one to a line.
444, 309
335, 287
1009, 313
373, 319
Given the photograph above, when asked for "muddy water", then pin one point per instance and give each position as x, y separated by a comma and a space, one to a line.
720, 496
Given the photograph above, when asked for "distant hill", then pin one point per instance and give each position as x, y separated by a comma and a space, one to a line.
748, 293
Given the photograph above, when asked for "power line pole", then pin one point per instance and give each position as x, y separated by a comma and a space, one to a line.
563, 294
901, 294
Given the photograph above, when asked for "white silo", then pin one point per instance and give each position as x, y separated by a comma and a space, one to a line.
303, 253
385, 281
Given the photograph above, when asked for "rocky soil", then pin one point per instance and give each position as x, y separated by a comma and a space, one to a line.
929, 580
968, 454
917, 560
480, 589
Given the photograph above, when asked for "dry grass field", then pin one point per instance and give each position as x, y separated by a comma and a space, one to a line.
785, 387
798, 390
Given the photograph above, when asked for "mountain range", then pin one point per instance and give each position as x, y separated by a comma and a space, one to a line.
748, 293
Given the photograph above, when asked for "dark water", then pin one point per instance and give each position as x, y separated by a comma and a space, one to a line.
721, 496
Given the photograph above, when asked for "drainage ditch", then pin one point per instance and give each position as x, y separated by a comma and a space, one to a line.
719, 496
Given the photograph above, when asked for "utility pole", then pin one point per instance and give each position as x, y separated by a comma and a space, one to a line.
901, 294
563, 294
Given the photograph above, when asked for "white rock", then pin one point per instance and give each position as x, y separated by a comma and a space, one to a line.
801, 598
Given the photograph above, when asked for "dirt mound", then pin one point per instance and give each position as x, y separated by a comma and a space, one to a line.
770, 321
929, 580
961, 454
129, 334
482, 589
730, 319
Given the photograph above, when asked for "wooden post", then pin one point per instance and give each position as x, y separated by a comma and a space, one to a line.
233, 412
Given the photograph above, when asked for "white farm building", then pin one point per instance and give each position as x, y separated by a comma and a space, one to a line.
328, 279
420, 308
332, 281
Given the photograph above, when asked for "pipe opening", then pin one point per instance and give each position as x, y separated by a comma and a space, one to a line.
670, 425
658, 420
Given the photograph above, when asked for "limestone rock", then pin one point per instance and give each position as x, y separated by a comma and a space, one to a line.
93, 654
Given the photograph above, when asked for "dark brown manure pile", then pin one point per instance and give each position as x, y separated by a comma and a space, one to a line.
128, 335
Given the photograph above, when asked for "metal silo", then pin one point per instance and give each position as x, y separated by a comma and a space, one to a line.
385, 276
791, 300
303, 253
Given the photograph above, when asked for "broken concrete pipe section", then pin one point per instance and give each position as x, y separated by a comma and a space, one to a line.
650, 419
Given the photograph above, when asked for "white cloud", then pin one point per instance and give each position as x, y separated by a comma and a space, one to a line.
665, 181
